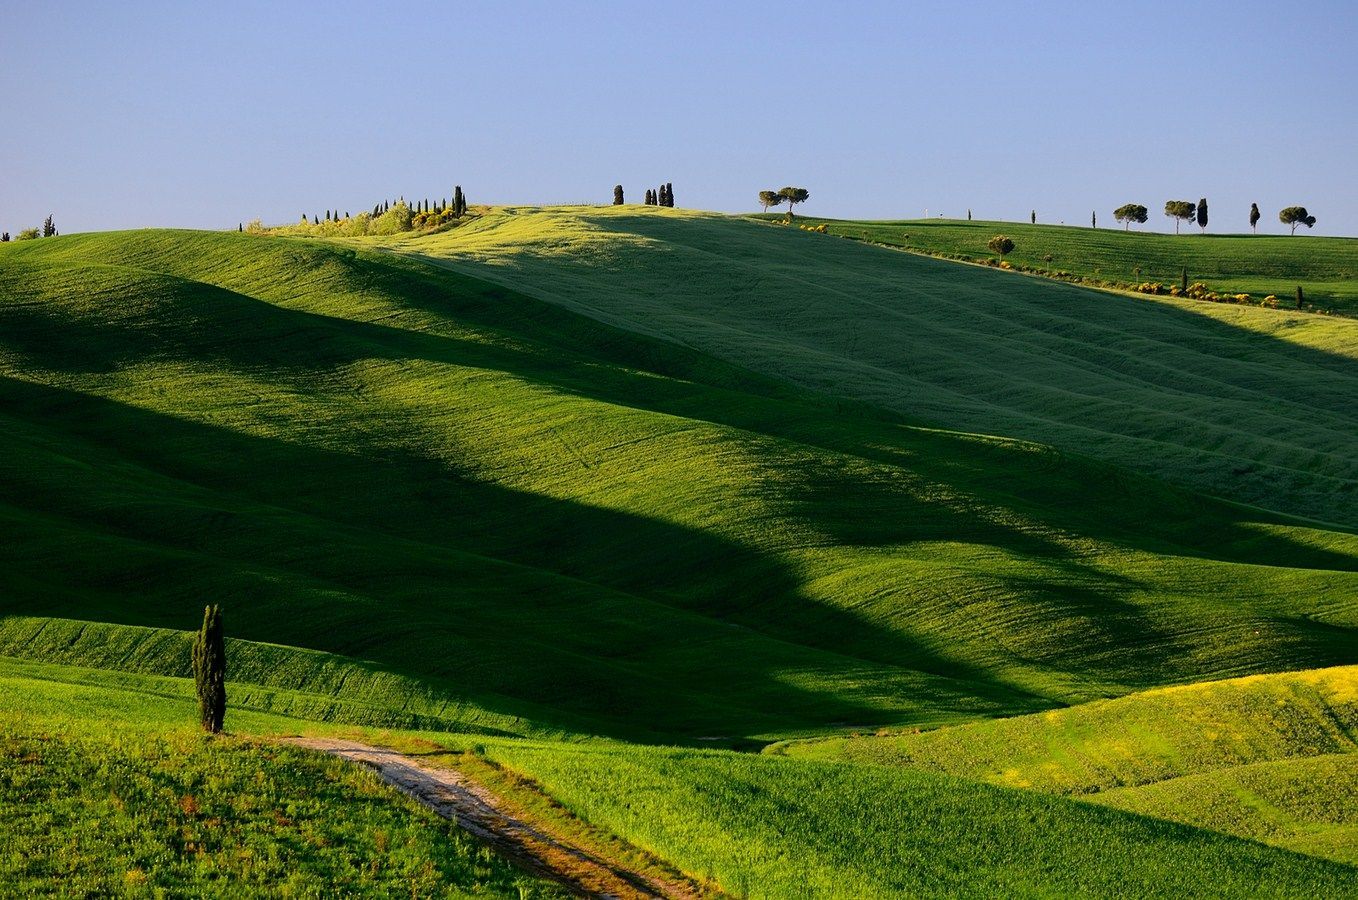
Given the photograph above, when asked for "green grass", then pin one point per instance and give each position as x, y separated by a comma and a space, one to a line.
121, 751
431, 502
1268, 757
479, 510
106, 792
1251, 404
1326, 267
768, 827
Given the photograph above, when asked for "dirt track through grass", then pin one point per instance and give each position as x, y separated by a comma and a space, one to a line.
454, 796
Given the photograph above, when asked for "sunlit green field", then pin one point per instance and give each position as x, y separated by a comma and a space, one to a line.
591, 489
758, 826
106, 792
1225, 260
1271, 757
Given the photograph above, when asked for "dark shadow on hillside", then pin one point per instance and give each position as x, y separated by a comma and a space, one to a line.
389, 557
1286, 382
408, 499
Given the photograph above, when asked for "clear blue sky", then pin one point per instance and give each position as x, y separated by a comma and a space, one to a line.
183, 114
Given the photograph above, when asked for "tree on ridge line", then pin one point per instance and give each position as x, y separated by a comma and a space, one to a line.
1129, 213
1296, 215
792, 196
1179, 211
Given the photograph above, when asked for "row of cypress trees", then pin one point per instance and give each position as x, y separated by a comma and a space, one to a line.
458, 207
664, 196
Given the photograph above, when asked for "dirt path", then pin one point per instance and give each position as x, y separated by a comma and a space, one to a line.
454, 796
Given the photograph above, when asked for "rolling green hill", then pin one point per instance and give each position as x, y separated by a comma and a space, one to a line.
555, 527
112, 792
755, 826
1326, 267
434, 503
1269, 757
1251, 404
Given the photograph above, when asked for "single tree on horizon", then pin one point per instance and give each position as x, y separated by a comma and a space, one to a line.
1202, 214
1128, 213
617, 195
1094, 219
1296, 215
792, 196
1179, 211
209, 670
48, 229
1254, 217
1032, 217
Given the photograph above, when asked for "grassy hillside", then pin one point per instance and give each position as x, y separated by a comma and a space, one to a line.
553, 527
1326, 267
1266, 757
756, 826
105, 792
1252, 404
767, 827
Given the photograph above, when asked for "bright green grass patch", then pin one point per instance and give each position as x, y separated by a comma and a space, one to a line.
1268, 757
1326, 267
1256, 405
467, 508
101, 794
1308, 804
772, 827
1140, 739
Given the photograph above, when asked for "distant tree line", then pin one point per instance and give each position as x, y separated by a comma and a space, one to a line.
1187, 210
661, 196
48, 229
386, 217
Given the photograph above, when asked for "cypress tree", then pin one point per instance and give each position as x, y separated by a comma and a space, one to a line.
1094, 219
459, 201
1254, 217
617, 195
48, 229
386, 205
240, 227
315, 219
1032, 217
1301, 298
1202, 214
968, 215
4, 236
209, 670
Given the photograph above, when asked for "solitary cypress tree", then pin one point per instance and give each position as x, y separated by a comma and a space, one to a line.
1202, 214
1094, 219
1301, 298
48, 229
1254, 217
209, 670
240, 227
617, 195
1032, 217
968, 215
